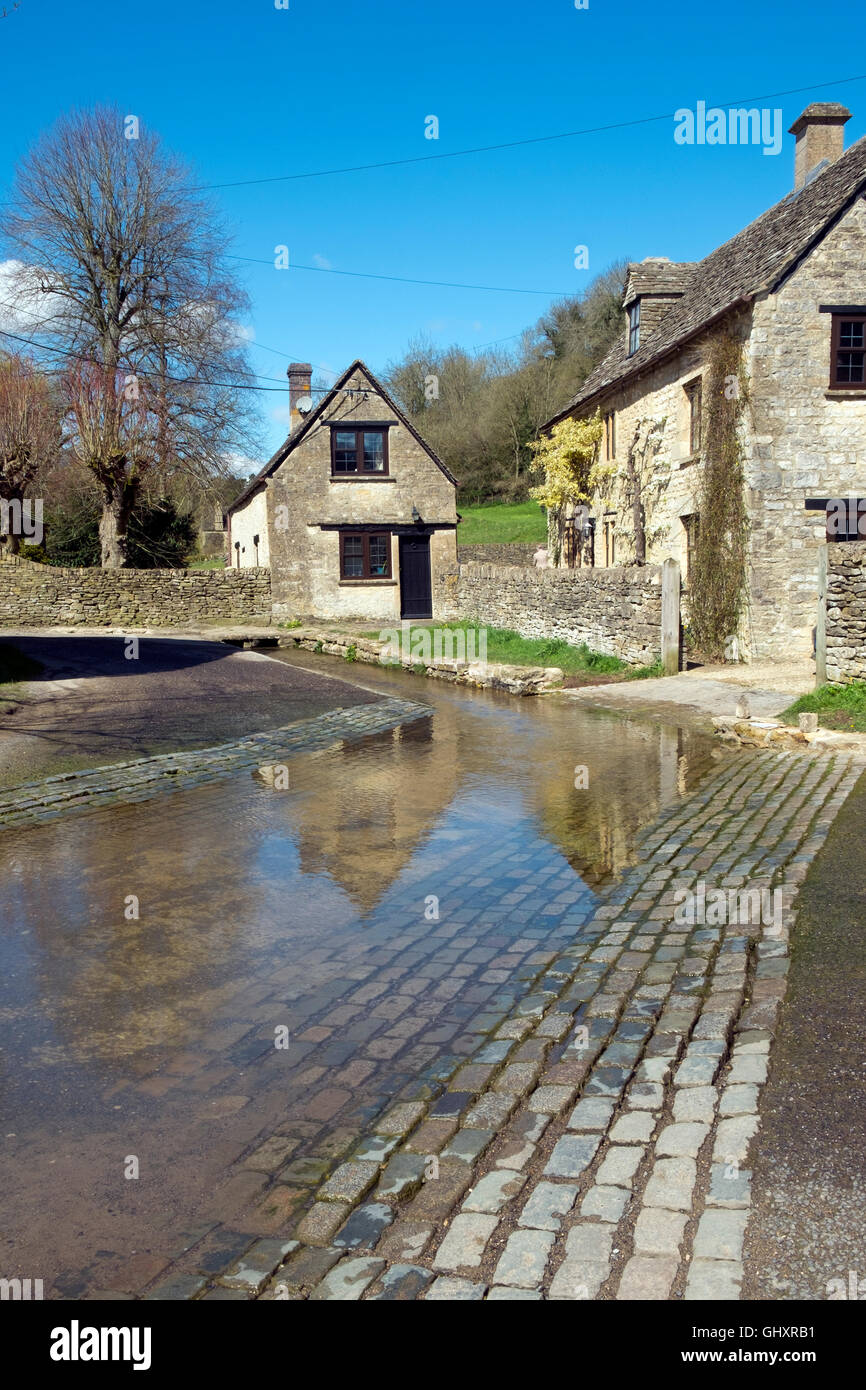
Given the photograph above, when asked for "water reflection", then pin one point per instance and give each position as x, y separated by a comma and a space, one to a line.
303, 907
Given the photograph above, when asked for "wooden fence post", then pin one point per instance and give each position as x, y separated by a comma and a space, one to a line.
821, 626
671, 617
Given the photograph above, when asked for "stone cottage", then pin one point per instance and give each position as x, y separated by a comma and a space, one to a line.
355, 514
791, 290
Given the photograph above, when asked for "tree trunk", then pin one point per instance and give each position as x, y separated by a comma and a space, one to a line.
113, 524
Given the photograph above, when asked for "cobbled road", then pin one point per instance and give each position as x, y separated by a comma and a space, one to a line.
596, 1144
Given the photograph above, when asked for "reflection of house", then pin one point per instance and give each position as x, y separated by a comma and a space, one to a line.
355, 515
788, 296
364, 820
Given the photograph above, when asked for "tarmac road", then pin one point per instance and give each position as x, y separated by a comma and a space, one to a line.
92, 705
808, 1225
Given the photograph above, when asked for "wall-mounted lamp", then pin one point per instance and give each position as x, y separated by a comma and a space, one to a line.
416, 515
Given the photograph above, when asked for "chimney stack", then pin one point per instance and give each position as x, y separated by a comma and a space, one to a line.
820, 138
300, 375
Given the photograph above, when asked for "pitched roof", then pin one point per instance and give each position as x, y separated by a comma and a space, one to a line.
294, 439
756, 260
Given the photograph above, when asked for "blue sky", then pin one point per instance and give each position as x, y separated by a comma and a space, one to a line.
243, 90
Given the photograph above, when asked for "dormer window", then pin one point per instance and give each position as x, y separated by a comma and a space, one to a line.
633, 328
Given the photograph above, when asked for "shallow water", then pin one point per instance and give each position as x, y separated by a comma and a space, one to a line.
381, 910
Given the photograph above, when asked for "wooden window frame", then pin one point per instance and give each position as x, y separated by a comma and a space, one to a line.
836, 348
365, 538
359, 431
633, 328
695, 392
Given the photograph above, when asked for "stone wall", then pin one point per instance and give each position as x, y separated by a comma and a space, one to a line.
44, 596
846, 612
616, 611
510, 554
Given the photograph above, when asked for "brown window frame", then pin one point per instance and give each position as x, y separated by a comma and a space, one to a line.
836, 348
365, 537
610, 435
609, 528
695, 392
359, 431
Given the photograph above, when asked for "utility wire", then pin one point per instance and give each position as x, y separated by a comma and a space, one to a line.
400, 279
511, 144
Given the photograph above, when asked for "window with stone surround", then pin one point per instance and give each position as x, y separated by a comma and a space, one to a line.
692, 527
358, 451
610, 435
694, 393
848, 352
365, 555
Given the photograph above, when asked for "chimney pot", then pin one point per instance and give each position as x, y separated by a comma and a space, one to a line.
300, 375
820, 137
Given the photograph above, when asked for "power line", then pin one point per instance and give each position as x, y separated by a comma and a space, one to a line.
400, 279
510, 144
177, 380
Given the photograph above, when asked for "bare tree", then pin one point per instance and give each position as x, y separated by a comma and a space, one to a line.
29, 430
104, 220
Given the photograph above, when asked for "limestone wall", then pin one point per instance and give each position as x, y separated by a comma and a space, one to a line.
846, 612
616, 611
516, 553
44, 596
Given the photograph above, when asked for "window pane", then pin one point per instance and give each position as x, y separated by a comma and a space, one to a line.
374, 451
345, 452
850, 366
353, 557
851, 334
378, 554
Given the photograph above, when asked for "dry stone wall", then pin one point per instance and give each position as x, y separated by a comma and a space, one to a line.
846, 612
43, 595
616, 611
515, 553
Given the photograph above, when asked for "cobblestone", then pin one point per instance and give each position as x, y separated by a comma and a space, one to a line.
634, 1060
464, 1244
141, 778
524, 1258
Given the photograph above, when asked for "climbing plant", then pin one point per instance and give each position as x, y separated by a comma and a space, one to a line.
717, 578
568, 459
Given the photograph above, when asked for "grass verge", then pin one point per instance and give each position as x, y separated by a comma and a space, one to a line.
508, 647
837, 707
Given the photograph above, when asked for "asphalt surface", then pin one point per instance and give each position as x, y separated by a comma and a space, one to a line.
808, 1226
92, 705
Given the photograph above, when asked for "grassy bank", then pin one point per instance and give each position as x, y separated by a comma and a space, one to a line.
509, 647
502, 524
837, 707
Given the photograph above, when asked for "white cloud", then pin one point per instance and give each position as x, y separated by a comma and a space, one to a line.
24, 307
241, 466
322, 262
282, 414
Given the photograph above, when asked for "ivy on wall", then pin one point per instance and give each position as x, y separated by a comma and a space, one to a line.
718, 571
